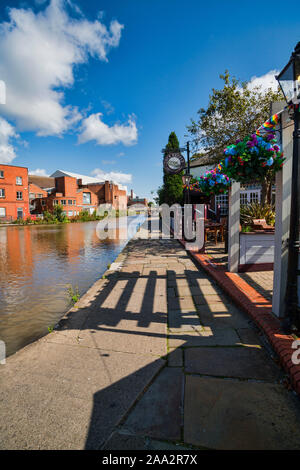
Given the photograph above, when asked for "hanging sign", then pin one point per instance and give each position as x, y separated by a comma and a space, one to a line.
174, 163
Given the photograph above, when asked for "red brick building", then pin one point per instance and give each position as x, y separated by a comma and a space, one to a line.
22, 195
133, 199
107, 192
14, 192
67, 194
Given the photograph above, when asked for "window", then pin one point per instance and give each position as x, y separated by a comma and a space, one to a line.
1, 174
43, 202
2, 193
70, 202
19, 195
70, 213
243, 198
222, 201
31, 196
86, 198
55, 202
254, 197
2, 212
39, 195
19, 180
74, 202
20, 213
63, 202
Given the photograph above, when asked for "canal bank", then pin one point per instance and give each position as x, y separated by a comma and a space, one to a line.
38, 264
153, 356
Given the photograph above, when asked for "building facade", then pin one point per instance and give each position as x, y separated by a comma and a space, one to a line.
14, 193
23, 195
67, 194
133, 199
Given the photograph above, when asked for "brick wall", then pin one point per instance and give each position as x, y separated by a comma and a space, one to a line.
13, 180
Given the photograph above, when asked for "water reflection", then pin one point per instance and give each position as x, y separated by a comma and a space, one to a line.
36, 266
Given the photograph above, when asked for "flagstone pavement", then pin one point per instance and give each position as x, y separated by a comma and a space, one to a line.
154, 356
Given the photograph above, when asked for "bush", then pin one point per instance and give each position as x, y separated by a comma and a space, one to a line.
257, 211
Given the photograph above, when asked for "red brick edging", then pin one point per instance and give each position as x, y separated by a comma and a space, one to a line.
258, 308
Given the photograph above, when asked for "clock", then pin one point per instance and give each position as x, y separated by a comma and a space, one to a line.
174, 163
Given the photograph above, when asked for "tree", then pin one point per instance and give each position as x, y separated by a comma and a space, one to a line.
171, 191
233, 112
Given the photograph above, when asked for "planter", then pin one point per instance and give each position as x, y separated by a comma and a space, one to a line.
257, 251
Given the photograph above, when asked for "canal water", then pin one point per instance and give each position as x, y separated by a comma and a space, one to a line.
39, 263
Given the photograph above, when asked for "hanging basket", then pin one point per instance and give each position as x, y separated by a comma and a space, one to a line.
252, 159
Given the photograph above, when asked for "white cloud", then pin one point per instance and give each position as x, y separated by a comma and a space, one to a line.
114, 176
7, 133
38, 172
37, 58
108, 107
93, 128
108, 162
265, 81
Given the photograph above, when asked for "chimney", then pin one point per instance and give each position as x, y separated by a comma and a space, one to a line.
131, 194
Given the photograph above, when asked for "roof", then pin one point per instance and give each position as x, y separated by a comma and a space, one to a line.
85, 179
43, 182
202, 161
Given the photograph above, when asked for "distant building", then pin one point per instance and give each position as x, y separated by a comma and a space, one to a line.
133, 199
22, 195
67, 194
14, 192
108, 192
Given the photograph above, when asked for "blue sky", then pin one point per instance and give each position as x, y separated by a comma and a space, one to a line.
147, 73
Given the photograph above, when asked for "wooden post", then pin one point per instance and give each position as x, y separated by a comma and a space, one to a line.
234, 227
283, 208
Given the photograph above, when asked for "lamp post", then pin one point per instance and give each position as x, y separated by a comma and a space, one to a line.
289, 81
186, 179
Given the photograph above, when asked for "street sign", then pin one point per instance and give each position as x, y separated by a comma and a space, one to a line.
174, 163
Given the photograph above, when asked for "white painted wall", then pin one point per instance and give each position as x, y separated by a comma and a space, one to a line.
282, 223
257, 248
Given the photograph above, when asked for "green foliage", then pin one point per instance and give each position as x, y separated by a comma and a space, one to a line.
246, 228
232, 113
57, 216
254, 158
256, 210
50, 328
213, 182
58, 213
73, 294
171, 191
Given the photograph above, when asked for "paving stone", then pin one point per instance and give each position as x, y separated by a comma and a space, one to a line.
218, 315
158, 413
212, 298
242, 362
171, 292
205, 337
175, 358
128, 336
240, 415
249, 337
120, 441
179, 321
181, 303
68, 397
